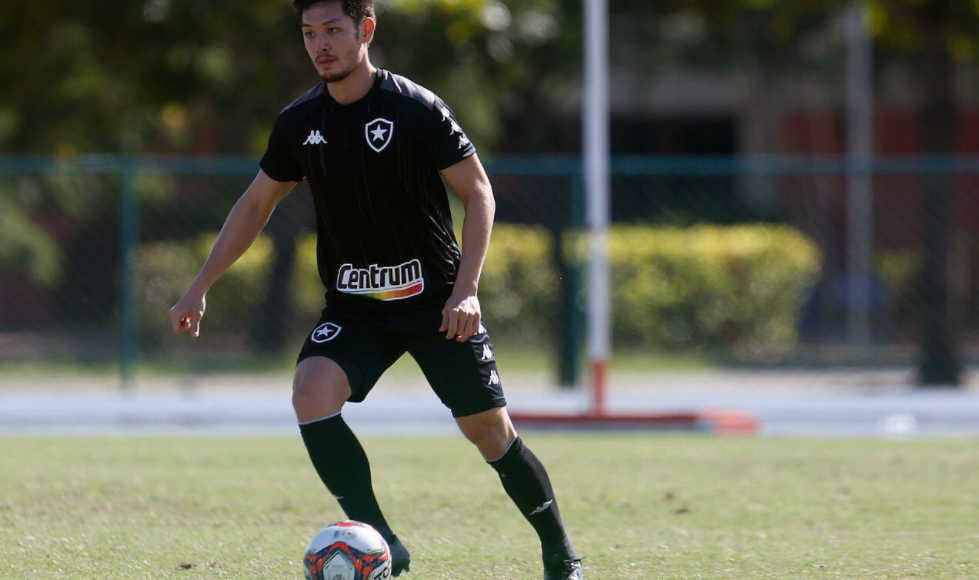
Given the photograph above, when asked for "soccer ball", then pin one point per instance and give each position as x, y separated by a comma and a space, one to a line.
348, 551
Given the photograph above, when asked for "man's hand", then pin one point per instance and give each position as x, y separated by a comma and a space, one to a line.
186, 314
460, 317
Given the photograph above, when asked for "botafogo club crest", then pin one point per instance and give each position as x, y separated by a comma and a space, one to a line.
379, 133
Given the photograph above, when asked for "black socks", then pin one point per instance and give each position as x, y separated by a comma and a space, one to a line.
525, 481
342, 464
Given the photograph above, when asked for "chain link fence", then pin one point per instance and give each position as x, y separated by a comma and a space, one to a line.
722, 262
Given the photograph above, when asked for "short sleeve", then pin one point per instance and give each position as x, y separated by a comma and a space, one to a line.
278, 161
445, 142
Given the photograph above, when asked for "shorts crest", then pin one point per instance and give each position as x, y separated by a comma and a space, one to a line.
326, 332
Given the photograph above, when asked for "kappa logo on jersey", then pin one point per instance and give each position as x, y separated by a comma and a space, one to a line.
456, 129
487, 352
494, 378
382, 282
326, 332
315, 139
379, 133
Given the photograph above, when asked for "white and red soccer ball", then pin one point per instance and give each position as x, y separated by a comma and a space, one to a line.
347, 551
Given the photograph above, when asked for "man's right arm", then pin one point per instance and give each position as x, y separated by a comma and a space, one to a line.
245, 222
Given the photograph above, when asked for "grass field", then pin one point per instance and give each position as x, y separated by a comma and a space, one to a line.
515, 359
639, 507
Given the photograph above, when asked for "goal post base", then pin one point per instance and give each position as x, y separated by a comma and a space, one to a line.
718, 421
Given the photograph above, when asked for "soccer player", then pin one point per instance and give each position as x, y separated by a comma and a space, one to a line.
375, 148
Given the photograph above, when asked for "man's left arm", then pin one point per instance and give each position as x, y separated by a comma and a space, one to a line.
461, 315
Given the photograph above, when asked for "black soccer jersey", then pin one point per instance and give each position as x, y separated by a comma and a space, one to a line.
384, 228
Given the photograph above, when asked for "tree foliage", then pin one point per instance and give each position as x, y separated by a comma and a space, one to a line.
908, 26
209, 76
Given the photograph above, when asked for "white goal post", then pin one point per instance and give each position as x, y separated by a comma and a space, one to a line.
595, 112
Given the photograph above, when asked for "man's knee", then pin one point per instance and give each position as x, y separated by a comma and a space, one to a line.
491, 432
319, 388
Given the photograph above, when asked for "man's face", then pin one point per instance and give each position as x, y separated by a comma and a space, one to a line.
335, 43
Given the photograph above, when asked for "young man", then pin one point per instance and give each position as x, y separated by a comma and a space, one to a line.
375, 148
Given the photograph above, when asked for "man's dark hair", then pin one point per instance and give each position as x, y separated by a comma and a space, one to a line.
358, 10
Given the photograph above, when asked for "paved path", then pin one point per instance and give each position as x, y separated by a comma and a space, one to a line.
787, 404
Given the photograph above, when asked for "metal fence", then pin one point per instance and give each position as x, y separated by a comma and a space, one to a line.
740, 261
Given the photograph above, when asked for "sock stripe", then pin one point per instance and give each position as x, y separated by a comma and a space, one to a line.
311, 421
508, 447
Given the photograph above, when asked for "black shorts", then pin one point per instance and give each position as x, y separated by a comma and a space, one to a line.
366, 342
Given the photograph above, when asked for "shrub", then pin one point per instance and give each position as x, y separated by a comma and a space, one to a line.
166, 269
735, 289
519, 287
739, 289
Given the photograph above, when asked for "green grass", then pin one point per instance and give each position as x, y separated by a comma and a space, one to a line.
639, 507
512, 359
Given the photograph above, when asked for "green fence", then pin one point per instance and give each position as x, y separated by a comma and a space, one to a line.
742, 261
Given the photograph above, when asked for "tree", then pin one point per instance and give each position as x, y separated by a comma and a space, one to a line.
937, 34
198, 76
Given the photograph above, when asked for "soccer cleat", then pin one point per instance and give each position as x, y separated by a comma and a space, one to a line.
400, 558
563, 570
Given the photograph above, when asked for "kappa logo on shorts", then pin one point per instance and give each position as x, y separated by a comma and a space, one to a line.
487, 352
379, 133
494, 378
326, 332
